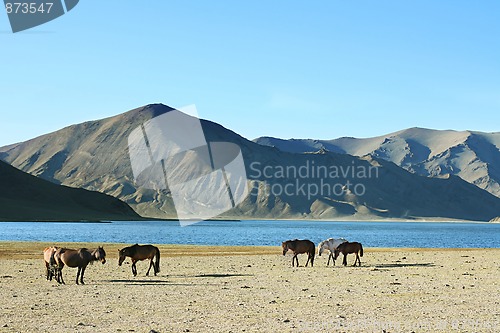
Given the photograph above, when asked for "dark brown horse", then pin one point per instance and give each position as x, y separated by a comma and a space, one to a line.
79, 258
347, 248
52, 269
141, 252
299, 246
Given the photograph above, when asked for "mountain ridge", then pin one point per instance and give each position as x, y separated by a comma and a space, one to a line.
94, 155
472, 155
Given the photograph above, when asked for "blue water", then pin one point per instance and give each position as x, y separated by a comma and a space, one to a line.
371, 234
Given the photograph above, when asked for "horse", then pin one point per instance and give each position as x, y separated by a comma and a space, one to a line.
52, 268
299, 246
347, 248
79, 258
330, 244
141, 252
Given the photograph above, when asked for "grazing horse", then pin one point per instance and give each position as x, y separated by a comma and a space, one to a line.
53, 270
299, 246
141, 252
330, 244
79, 258
347, 248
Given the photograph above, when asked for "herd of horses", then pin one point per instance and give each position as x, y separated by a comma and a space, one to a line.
335, 246
58, 257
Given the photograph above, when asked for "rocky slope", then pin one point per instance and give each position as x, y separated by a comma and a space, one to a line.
27, 198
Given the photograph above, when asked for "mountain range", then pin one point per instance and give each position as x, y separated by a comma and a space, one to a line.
296, 180
472, 156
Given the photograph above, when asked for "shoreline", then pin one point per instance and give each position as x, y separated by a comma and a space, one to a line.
34, 249
148, 219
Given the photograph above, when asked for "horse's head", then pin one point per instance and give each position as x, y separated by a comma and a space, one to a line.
284, 245
101, 255
321, 248
121, 256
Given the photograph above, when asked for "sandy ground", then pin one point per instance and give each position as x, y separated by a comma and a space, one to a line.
255, 289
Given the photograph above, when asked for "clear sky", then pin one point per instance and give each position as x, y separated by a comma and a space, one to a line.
284, 68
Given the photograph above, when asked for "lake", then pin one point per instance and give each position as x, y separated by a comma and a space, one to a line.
371, 234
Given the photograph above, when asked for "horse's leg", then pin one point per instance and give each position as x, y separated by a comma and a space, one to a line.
329, 257
344, 262
293, 260
357, 259
78, 274
61, 276
54, 274
83, 272
150, 265
134, 268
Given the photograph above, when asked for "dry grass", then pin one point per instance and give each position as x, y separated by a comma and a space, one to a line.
34, 250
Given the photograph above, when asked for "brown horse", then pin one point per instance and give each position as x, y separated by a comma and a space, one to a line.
299, 246
141, 252
53, 270
347, 248
79, 258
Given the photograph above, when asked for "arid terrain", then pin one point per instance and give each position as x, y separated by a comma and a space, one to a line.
255, 289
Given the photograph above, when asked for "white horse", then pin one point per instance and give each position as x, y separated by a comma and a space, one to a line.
330, 244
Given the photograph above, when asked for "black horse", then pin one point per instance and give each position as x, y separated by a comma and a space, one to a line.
141, 252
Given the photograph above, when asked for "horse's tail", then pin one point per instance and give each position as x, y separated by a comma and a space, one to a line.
53, 261
157, 263
360, 250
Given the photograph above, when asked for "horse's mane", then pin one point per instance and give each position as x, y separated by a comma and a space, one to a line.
83, 249
342, 245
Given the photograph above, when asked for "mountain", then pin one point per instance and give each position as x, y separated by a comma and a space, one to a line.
321, 185
472, 156
27, 198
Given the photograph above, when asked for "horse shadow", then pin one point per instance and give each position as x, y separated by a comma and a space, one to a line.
403, 264
220, 275
129, 282
145, 282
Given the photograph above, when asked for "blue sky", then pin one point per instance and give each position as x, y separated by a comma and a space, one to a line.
301, 69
